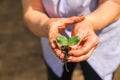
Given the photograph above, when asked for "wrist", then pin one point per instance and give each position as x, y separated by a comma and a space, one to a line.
45, 27
94, 22
91, 22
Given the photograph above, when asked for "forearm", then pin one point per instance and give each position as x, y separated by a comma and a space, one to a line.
35, 18
107, 13
35, 23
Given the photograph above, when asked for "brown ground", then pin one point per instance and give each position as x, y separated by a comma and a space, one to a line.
20, 52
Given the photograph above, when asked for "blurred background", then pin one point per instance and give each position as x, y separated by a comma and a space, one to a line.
20, 50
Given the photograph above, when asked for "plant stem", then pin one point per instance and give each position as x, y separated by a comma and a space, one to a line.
65, 50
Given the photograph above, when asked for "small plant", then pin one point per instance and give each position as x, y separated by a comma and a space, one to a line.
72, 41
64, 44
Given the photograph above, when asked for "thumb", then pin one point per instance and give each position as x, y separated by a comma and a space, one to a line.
77, 19
71, 20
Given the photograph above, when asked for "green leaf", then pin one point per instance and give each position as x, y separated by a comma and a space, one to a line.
62, 40
73, 40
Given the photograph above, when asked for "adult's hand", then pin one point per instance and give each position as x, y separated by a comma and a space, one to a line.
55, 26
87, 44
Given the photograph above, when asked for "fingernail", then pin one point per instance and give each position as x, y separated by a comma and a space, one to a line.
70, 57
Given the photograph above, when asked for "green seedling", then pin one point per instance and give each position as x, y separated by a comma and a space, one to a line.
65, 44
72, 41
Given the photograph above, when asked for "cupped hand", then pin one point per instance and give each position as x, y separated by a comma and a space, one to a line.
89, 40
55, 26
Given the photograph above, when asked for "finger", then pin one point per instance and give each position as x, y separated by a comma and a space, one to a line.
82, 57
52, 42
71, 20
81, 34
52, 38
59, 54
85, 47
77, 19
